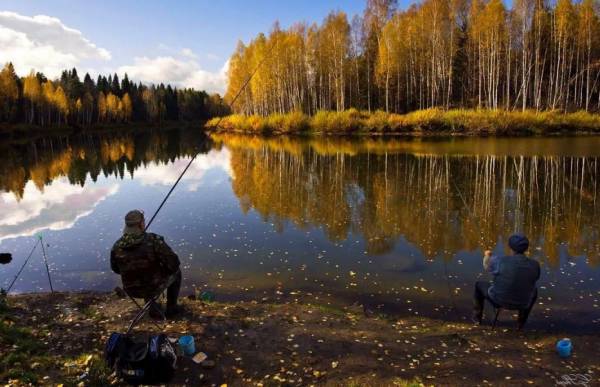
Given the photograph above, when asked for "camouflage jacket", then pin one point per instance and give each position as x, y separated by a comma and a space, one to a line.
144, 261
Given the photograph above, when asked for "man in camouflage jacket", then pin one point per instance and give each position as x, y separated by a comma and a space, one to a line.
145, 262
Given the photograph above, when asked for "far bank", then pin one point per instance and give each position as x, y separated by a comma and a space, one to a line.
20, 129
421, 122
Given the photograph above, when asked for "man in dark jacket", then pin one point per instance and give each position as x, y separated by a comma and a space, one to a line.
146, 263
514, 284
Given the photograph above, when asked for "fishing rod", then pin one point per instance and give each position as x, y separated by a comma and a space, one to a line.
196, 155
46, 263
465, 204
472, 216
23, 267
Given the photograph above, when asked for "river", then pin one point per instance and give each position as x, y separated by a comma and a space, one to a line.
395, 224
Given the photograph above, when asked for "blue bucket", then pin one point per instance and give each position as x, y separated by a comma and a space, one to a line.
186, 343
564, 347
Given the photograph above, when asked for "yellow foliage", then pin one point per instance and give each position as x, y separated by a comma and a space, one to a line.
32, 88
8, 84
61, 102
101, 106
428, 120
127, 107
48, 92
112, 106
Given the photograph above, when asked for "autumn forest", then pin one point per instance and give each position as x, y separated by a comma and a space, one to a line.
36, 100
534, 55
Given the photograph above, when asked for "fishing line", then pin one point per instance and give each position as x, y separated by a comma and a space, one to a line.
471, 215
465, 204
196, 155
22, 267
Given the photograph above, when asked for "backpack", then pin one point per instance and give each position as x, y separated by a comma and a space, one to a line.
141, 360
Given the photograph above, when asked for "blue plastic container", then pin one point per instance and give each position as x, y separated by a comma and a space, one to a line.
564, 347
186, 343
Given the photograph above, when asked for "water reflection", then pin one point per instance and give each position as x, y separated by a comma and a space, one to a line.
91, 155
443, 203
166, 174
393, 222
56, 206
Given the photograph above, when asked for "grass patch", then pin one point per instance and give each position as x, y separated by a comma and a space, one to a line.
20, 348
90, 369
416, 382
467, 121
88, 311
363, 382
330, 309
294, 122
25, 358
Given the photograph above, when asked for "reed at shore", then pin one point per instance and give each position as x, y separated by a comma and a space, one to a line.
428, 121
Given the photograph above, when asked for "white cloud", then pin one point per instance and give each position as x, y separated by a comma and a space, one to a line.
188, 53
166, 174
180, 72
44, 43
57, 208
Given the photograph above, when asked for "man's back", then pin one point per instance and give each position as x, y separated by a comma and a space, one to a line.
144, 262
515, 280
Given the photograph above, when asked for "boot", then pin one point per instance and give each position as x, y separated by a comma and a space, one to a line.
173, 311
476, 317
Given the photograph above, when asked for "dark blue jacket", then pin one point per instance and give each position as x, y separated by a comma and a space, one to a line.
514, 280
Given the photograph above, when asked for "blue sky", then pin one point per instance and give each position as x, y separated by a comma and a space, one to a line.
199, 34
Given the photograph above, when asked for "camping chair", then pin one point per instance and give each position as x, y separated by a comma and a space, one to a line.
151, 300
498, 308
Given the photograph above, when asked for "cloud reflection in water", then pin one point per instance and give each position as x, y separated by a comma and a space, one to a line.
167, 174
58, 207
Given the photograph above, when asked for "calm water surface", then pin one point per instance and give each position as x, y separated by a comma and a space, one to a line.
396, 224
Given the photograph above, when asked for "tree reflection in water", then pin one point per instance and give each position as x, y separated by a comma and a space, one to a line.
378, 189
90, 155
381, 191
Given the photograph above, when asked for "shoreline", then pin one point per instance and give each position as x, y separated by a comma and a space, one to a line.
421, 123
25, 129
59, 338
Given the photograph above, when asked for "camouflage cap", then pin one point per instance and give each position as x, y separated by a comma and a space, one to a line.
133, 219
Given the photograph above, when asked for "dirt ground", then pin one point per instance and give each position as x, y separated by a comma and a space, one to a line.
59, 339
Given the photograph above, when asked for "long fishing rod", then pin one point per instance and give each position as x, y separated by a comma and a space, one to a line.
469, 210
46, 263
22, 267
196, 155
474, 219
472, 216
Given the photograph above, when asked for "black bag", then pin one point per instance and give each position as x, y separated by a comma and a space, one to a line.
138, 360
5, 258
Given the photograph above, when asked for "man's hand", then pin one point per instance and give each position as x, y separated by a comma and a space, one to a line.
487, 257
487, 261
